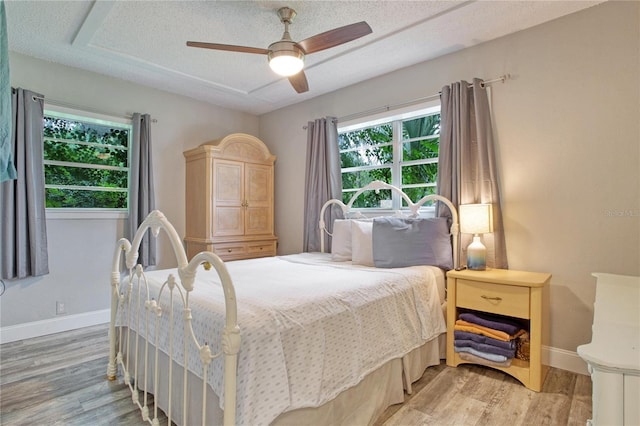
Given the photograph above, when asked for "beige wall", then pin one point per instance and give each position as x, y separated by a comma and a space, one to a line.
80, 249
567, 135
568, 142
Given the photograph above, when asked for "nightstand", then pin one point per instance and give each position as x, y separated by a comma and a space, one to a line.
516, 294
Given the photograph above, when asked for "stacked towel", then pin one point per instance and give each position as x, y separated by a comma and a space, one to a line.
480, 337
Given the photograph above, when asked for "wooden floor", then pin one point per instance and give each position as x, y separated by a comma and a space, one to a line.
60, 379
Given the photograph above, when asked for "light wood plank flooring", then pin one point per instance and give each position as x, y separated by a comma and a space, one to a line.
60, 379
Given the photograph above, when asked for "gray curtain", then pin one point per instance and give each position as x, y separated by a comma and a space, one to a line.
141, 191
467, 171
23, 227
323, 180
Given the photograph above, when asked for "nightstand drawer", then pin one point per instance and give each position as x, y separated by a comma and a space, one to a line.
495, 298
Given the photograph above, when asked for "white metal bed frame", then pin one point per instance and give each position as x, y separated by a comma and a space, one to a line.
414, 208
121, 294
186, 271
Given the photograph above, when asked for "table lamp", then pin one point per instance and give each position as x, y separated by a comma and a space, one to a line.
476, 219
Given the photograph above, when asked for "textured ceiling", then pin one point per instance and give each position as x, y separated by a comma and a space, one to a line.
144, 41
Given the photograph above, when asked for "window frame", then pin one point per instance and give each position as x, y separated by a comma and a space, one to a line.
61, 213
395, 117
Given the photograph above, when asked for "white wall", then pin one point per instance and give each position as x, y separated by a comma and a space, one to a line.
80, 251
568, 142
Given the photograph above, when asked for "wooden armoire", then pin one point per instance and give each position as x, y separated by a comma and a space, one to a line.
229, 198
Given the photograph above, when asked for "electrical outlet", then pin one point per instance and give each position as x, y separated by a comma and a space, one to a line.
60, 308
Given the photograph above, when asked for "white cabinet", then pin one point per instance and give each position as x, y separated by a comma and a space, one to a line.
613, 356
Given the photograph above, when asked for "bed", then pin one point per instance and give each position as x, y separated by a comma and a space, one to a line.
310, 338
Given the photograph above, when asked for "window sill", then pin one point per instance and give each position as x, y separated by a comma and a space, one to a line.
74, 214
428, 211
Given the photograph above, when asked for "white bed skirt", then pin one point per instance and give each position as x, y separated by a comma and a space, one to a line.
359, 405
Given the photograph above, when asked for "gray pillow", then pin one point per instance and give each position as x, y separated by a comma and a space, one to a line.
399, 242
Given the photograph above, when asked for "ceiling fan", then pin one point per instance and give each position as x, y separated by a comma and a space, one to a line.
286, 57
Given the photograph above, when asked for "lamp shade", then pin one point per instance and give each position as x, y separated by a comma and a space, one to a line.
476, 218
286, 62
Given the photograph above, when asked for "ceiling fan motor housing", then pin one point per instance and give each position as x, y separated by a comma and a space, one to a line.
289, 52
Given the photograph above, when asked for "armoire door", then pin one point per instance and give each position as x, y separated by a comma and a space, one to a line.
258, 199
228, 210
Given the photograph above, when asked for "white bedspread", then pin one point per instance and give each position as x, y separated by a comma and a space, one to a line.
310, 328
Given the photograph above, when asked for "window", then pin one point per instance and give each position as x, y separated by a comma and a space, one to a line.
86, 161
400, 150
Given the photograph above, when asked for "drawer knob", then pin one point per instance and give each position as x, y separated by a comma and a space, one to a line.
229, 250
496, 298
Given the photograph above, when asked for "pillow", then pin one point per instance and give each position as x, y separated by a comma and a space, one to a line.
398, 242
341, 240
361, 243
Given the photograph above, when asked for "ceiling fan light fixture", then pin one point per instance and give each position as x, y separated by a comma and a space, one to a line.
286, 57
286, 62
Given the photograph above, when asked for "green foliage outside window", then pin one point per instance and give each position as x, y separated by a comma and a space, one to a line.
86, 163
367, 155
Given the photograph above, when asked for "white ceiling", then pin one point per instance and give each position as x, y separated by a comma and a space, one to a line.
144, 41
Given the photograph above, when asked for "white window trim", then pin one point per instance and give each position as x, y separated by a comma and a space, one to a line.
58, 213
405, 113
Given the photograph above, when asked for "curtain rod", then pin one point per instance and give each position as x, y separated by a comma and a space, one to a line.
84, 108
435, 96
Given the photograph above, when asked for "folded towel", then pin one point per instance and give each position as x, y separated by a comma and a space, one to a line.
463, 325
508, 325
478, 329
477, 360
482, 347
511, 344
490, 357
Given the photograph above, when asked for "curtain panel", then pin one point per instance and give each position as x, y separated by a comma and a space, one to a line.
323, 180
141, 189
467, 171
23, 227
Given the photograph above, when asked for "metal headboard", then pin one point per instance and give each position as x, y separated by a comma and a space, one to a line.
414, 208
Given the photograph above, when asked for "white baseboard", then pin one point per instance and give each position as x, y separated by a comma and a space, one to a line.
564, 360
28, 330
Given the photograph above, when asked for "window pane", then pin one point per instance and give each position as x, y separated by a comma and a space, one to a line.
417, 193
420, 173
60, 128
420, 149
75, 153
78, 176
423, 126
368, 199
73, 198
366, 137
371, 156
360, 179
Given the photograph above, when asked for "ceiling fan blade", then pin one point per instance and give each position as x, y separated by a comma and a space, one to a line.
335, 37
299, 82
228, 47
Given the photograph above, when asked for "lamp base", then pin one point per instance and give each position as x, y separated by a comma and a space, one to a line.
476, 255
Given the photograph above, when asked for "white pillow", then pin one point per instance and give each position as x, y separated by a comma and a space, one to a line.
341, 240
362, 243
